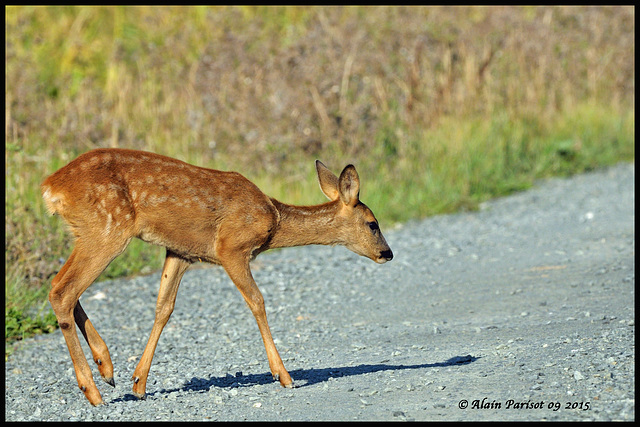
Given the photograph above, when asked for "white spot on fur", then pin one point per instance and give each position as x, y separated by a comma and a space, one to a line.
107, 229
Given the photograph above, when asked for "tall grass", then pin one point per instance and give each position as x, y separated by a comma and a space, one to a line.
438, 107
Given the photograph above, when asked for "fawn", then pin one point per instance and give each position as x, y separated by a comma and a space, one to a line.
109, 196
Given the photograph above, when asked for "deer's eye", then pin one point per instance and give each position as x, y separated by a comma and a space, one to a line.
373, 226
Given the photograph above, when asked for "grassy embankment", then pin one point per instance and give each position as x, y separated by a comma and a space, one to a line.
439, 108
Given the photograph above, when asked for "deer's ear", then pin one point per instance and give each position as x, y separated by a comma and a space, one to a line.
328, 181
349, 186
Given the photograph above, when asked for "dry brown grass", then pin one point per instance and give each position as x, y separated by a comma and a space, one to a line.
259, 87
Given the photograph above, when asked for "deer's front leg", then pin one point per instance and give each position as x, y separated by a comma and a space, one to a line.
238, 270
174, 268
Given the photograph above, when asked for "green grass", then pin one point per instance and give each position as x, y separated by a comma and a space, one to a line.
439, 108
463, 164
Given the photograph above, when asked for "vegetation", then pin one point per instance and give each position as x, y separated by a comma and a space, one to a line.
439, 108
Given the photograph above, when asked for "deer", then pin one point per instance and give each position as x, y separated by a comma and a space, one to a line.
109, 196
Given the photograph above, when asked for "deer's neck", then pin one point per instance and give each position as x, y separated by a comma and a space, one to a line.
305, 225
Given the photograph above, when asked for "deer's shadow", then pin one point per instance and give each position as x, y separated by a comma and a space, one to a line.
301, 377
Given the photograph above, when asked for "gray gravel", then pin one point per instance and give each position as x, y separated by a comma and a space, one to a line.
523, 311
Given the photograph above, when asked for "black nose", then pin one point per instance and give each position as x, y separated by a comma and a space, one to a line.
388, 255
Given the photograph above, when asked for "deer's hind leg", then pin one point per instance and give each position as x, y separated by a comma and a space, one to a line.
83, 266
99, 349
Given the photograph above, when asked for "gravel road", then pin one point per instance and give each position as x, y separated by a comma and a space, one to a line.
523, 310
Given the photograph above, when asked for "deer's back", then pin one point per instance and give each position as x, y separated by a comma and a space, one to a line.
161, 200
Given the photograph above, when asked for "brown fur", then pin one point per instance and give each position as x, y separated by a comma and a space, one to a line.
109, 196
